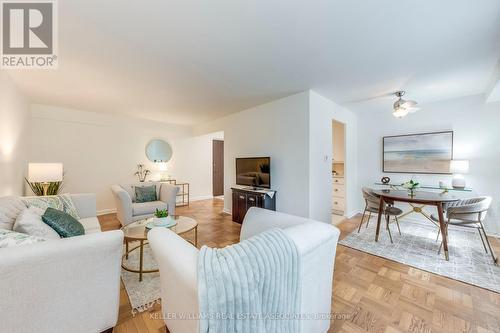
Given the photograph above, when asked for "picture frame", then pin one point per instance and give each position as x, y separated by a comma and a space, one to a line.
421, 153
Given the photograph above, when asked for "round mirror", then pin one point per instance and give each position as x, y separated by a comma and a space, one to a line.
158, 151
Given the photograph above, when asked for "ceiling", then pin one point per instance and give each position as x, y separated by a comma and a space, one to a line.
186, 62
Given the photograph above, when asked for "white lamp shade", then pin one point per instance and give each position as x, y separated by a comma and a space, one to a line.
459, 166
45, 172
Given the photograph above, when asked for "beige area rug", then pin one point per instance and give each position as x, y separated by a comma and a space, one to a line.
417, 247
142, 295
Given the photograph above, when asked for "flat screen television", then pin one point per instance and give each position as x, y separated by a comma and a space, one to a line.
253, 171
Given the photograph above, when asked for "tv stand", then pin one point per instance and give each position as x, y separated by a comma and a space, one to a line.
244, 198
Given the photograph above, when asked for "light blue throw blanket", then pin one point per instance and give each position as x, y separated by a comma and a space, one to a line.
250, 287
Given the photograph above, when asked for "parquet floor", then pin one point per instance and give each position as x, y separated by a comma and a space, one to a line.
375, 294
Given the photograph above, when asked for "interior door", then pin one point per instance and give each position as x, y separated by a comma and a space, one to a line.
218, 167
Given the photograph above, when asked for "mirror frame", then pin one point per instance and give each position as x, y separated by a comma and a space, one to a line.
163, 142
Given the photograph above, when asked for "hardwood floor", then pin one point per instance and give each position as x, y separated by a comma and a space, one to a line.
375, 294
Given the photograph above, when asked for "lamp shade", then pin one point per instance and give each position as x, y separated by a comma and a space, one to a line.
459, 166
45, 172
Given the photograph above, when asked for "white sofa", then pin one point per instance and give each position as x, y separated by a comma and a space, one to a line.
64, 285
177, 260
128, 210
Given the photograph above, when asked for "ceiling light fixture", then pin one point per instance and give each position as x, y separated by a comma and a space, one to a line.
402, 107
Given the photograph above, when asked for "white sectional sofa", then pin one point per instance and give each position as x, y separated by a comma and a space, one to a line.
64, 285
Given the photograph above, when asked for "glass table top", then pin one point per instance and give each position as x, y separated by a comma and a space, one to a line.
138, 231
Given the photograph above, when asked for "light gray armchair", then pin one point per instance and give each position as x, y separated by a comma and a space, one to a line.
469, 213
128, 210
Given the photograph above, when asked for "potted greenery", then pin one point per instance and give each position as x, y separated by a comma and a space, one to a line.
162, 217
411, 186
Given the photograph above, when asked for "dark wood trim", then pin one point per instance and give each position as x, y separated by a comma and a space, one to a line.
109, 330
416, 134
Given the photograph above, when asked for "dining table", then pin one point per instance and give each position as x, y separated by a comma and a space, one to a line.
417, 197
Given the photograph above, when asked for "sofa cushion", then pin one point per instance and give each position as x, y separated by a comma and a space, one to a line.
91, 225
30, 222
145, 208
9, 238
145, 193
10, 208
63, 223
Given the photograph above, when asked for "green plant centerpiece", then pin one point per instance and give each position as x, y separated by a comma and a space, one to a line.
411, 186
161, 213
162, 217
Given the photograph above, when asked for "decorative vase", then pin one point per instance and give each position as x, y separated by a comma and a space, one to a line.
411, 192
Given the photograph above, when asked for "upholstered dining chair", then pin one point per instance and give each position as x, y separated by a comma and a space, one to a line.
469, 213
372, 202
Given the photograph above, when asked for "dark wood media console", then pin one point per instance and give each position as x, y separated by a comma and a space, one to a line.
243, 199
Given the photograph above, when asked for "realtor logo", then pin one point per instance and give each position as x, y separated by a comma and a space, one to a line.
29, 35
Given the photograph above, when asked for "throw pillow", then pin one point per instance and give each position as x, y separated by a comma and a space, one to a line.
30, 222
10, 208
9, 238
43, 203
69, 205
145, 193
63, 223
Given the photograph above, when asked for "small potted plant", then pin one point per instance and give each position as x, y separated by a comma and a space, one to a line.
162, 216
411, 186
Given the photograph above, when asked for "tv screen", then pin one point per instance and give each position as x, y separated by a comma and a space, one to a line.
253, 171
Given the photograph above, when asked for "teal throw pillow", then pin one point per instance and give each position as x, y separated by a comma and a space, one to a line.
63, 223
145, 193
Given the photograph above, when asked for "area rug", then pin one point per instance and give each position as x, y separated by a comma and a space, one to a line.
142, 295
417, 247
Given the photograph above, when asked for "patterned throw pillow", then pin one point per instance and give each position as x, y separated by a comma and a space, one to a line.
43, 203
60, 202
10, 238
145, 193
69, 205
63, 223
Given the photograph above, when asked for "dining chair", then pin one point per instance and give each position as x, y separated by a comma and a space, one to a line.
372, 202
469, 213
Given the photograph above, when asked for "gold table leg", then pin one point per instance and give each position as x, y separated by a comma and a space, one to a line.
141, 258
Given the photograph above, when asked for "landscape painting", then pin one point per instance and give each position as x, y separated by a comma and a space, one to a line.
418, 153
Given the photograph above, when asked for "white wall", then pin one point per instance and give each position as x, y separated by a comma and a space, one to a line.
99, 150
476, 127
192, 163
279, 129
322, 111
296, 131
14, 134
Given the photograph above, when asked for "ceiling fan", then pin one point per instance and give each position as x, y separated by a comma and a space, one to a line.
402, 107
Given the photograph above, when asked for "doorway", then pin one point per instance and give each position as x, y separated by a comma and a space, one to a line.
217, 168
338, 171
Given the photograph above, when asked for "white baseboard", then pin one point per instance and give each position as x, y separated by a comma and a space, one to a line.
106, 211
201, 197
227, 211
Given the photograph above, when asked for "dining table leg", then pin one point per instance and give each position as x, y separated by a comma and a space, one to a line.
379, 220
442, 226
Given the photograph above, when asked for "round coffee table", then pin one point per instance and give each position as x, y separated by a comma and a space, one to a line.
137, 231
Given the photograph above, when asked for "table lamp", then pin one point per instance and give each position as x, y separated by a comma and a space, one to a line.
45, 173
458, 168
